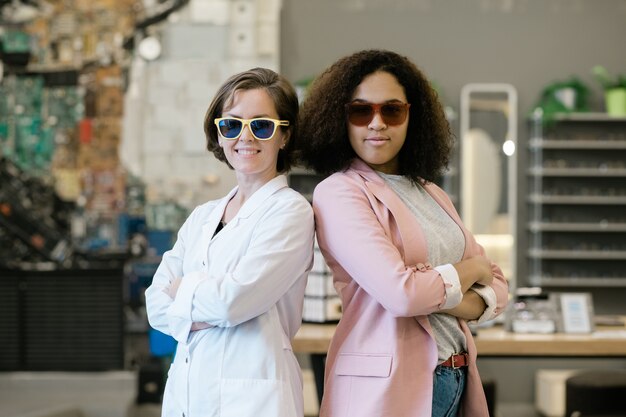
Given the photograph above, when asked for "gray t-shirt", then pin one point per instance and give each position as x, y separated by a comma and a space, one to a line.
446, 245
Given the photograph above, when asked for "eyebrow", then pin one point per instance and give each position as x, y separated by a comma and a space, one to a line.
360, 100
259, 116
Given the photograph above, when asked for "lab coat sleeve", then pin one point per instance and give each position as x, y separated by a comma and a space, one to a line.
171, 267
280, 253
351, 237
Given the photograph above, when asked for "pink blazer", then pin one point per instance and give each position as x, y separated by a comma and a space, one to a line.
383, 354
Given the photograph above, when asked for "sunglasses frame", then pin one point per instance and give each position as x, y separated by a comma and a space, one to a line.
246, 122
376, 107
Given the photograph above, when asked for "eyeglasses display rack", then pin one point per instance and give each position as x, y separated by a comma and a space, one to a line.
577, 201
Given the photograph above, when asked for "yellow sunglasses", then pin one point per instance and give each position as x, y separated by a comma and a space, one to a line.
262, 128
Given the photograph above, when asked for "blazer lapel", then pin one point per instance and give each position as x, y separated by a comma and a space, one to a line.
411, 233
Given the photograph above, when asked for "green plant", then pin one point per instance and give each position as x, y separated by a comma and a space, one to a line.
552, 104
606, 80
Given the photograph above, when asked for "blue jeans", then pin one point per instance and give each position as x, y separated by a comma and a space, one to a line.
448, 388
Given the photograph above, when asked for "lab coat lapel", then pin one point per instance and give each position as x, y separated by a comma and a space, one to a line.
209, 226
413, 240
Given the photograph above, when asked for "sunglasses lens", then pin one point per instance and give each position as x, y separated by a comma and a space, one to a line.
360, 114
230, 128
393, 113
262, 128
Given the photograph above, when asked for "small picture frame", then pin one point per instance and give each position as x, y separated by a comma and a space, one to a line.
575, 312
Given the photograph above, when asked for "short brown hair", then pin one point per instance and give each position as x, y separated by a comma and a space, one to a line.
285, 100
324, 145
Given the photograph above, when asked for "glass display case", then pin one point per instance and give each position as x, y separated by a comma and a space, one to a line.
577, 201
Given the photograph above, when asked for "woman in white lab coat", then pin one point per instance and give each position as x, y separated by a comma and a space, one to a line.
231, 289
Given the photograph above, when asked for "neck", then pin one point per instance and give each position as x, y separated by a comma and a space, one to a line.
248, 185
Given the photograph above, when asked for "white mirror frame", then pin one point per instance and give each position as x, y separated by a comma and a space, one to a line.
467, 197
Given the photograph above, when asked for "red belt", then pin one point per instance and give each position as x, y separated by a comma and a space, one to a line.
456, 361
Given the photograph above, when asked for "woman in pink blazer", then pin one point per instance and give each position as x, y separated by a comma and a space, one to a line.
409, 274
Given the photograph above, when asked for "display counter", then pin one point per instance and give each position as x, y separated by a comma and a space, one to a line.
605, 341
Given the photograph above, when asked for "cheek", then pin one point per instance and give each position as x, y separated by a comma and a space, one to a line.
404, 132
227, 147
276, 146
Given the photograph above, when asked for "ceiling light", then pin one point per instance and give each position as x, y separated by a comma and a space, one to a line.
149, 48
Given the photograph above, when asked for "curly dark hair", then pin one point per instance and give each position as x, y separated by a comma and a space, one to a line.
323, 143
285, 100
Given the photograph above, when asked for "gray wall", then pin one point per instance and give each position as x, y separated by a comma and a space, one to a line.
527, 43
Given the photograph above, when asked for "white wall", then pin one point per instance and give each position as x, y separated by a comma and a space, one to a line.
202, 45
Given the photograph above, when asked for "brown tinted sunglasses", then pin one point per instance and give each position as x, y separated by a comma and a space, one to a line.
361, 114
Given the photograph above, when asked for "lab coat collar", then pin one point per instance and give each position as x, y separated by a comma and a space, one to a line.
249, 206
260, 195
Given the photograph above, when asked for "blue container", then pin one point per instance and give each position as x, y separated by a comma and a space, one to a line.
161, 344
160, 240
140, 278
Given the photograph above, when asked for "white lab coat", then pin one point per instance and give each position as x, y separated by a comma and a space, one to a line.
247, 283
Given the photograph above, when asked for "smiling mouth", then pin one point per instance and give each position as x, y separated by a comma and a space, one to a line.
247, 151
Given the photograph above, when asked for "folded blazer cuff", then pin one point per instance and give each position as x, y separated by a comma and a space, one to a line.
489, 296
452, 285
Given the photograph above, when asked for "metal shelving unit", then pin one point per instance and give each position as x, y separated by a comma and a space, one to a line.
577, 201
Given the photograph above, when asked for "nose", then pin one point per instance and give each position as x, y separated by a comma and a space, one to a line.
246, 134
377, 122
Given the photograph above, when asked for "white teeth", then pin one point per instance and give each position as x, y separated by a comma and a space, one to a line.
244, 152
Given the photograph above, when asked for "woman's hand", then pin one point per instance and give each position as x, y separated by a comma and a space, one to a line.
173, 288
475, 270
199, 325
471, 307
